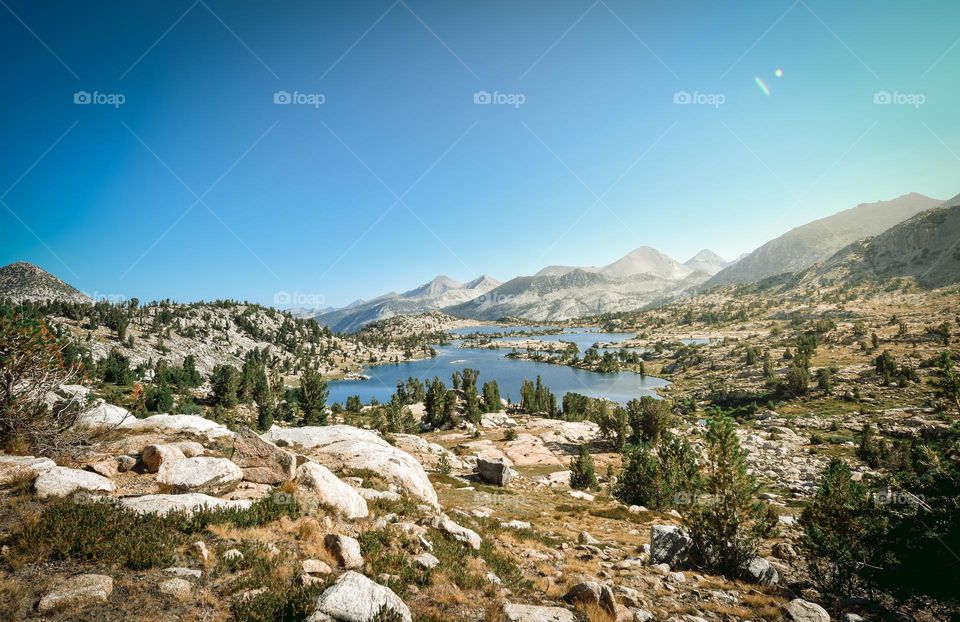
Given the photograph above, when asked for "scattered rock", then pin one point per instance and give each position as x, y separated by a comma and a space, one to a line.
201, 550
184, 573
458, 532
670, 545
315, 566
331, 492
800, 610
641, 615
592, 594
586, 538
77, 591
125, 463
213, 476
106, 468
163, 504
784, 550
426, 560
762, 572
496, 472
355, 598
178, 588
536, 613
153, 456
231, 555
345, 550
61, 482
515, 524
260, 461
583, 496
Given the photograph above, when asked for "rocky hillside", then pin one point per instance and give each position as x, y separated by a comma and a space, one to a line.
804, 246
924, 248
24, 281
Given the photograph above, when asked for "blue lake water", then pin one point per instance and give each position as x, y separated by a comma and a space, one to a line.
509, 373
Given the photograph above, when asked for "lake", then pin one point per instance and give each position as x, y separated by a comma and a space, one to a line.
509, 373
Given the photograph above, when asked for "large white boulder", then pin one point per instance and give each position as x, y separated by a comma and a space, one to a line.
346, 447
61, 482
355, 598
103, 417
332, 492
212, 476
188, 503
458, 532
429, 454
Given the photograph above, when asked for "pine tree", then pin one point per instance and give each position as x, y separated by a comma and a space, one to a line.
582, 472
838, 526
312, 397
225, 384
728, 523
491, 396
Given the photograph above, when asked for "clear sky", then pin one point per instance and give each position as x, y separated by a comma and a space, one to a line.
184, 179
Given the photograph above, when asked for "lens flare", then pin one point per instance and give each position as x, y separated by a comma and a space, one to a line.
778, 73
763, 86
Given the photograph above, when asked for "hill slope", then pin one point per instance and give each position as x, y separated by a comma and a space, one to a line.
925, 247
24, 281
804, 246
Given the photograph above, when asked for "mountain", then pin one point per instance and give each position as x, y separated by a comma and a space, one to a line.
24, 281
925, 247
646, 260
643, 260
707, 261
576, 293
433, 295
816, 241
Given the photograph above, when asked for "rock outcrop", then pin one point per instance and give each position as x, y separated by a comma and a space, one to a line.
332, 492
211, 476
76, 592
260, 461
345, 447
61, 482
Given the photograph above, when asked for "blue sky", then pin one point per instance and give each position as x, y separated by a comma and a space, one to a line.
200, 186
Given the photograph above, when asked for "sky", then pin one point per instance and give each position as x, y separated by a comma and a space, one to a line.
312, 153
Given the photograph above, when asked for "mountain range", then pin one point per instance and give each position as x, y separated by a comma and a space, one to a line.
433, 295
910, 236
